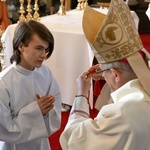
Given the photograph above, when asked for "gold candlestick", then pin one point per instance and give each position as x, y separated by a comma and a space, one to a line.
79, 7
85, 3
22, 17
36, 15
29, 10
61, 8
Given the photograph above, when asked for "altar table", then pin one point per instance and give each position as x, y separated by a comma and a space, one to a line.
72, 54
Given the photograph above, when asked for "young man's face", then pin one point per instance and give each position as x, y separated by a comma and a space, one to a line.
34, 54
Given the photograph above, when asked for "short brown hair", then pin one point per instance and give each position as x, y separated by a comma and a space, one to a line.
24, 33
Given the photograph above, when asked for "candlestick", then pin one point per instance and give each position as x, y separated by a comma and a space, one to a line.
29, 10
22, 17
61, 8
36, 15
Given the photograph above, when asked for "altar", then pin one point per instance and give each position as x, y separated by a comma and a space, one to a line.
72, 54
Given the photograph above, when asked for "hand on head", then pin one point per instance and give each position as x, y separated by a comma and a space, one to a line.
92, 71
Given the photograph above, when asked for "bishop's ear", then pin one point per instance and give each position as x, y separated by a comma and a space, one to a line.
117, 74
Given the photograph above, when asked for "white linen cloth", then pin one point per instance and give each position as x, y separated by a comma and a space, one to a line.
72, 54
122, 125
22, 125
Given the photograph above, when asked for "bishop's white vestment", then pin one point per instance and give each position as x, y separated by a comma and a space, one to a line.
122, 125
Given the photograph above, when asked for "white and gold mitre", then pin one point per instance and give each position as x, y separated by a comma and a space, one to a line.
114, 37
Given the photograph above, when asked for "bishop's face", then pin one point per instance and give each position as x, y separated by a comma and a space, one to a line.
109, 77
34, 54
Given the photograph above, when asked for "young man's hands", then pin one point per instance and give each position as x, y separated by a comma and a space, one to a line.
46, 103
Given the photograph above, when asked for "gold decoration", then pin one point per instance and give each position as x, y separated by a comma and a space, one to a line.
61, 8
79, 5
29, 10
82, 4
22, 17
36, 15
85, 3
114, 36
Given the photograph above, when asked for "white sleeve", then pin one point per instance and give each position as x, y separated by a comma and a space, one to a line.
103, 132
25, 126
53, 119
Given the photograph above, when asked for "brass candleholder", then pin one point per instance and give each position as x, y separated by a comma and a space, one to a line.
82, 4
85, 3
29, 10
36, 15
61, 8
79, 5
22, 17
